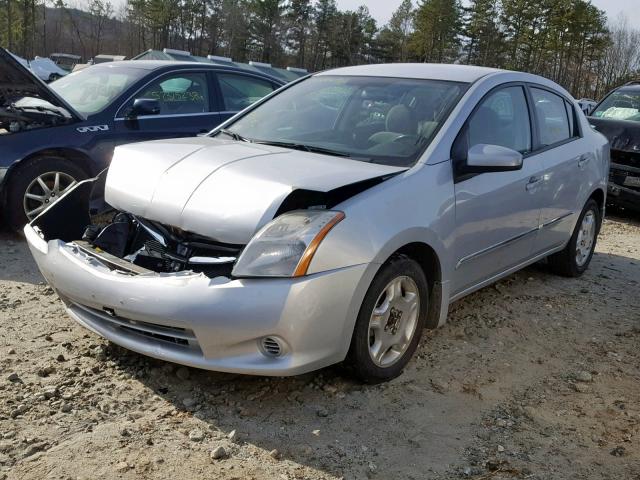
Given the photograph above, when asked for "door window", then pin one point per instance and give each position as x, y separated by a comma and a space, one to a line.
179, 93
502, 119
551, 113
240, 91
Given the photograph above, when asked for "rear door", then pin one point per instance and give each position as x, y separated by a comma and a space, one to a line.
496, 212
565, 157
239, 90
188, 106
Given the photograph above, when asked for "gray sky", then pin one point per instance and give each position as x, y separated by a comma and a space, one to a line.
382, 10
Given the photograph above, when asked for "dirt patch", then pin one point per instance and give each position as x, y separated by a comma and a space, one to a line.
535, 377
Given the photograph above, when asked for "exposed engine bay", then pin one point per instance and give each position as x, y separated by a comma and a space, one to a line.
26, 103
15, 119
159, 248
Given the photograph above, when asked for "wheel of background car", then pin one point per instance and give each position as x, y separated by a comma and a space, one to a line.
53, 77
36, 185
576, 256
390, 321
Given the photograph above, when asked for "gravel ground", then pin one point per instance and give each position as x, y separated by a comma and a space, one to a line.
535, 377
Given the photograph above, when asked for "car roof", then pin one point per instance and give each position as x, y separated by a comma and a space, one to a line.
629, 88
427, 71
151, 65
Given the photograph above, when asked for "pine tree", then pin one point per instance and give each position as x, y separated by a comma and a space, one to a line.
299, 17
437, 27
484, 39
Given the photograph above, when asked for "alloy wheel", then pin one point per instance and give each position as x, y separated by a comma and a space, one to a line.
45, 190
586, 238
393, 321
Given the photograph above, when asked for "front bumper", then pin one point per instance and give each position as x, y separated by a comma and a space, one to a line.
210, 323
621, 191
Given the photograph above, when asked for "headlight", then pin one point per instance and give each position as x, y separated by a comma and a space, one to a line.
285, 246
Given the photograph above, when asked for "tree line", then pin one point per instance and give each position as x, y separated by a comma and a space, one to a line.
569, 41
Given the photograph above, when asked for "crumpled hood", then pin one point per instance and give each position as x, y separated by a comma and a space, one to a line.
225, 190
623, 135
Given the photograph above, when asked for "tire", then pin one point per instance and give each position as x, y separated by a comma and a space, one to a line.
398, 317
22, 179
573, 261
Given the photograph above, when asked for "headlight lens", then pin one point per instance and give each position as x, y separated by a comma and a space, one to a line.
285, 246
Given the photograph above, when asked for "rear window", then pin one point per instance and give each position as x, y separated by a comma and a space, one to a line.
240, 91
551, 112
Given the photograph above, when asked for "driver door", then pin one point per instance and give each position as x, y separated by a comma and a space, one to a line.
187, 108
497, 213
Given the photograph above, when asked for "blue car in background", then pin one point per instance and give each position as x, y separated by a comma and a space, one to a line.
52, 136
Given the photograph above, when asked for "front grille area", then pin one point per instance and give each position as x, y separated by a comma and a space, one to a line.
176, 337
625, 169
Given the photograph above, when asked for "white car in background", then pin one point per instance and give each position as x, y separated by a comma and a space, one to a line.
44, 68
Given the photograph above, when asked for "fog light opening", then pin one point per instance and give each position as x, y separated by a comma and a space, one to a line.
272, 347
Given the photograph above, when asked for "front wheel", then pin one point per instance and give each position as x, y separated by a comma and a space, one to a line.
390, 322
576, 256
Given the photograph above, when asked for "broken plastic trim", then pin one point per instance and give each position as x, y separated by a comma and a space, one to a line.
68, 218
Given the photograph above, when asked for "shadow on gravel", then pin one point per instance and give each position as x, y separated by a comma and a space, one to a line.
623, 215
16, 263
324, 420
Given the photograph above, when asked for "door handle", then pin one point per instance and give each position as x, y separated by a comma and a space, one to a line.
533, 183
583, 160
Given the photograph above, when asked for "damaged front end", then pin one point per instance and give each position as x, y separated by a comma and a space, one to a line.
624, 179
171, 295
26, 103
624, 173
127, 243
131, 244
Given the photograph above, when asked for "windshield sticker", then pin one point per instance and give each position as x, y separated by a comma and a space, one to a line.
168, 97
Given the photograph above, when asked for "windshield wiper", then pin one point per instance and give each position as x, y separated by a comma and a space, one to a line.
236, 136
39, 108
303, 147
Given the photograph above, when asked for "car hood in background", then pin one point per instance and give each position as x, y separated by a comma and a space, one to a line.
17, 81
225, 190
623, 135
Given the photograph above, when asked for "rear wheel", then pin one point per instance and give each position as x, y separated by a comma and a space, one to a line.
390, 322
576, 256
38, 184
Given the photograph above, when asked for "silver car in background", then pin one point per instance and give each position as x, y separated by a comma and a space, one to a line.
332, 221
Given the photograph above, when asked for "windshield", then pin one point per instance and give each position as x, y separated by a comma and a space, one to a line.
91, 90
383, 120
620, 105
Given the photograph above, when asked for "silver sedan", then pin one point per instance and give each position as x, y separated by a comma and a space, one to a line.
332, 221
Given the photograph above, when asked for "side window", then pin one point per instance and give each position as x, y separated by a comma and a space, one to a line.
573, 131
551, 113
502, 119
240, 91
179, 93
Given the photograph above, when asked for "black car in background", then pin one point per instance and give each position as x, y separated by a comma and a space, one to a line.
52, 136
617, 117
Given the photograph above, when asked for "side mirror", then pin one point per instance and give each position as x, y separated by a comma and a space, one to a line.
492, 158
144, 106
